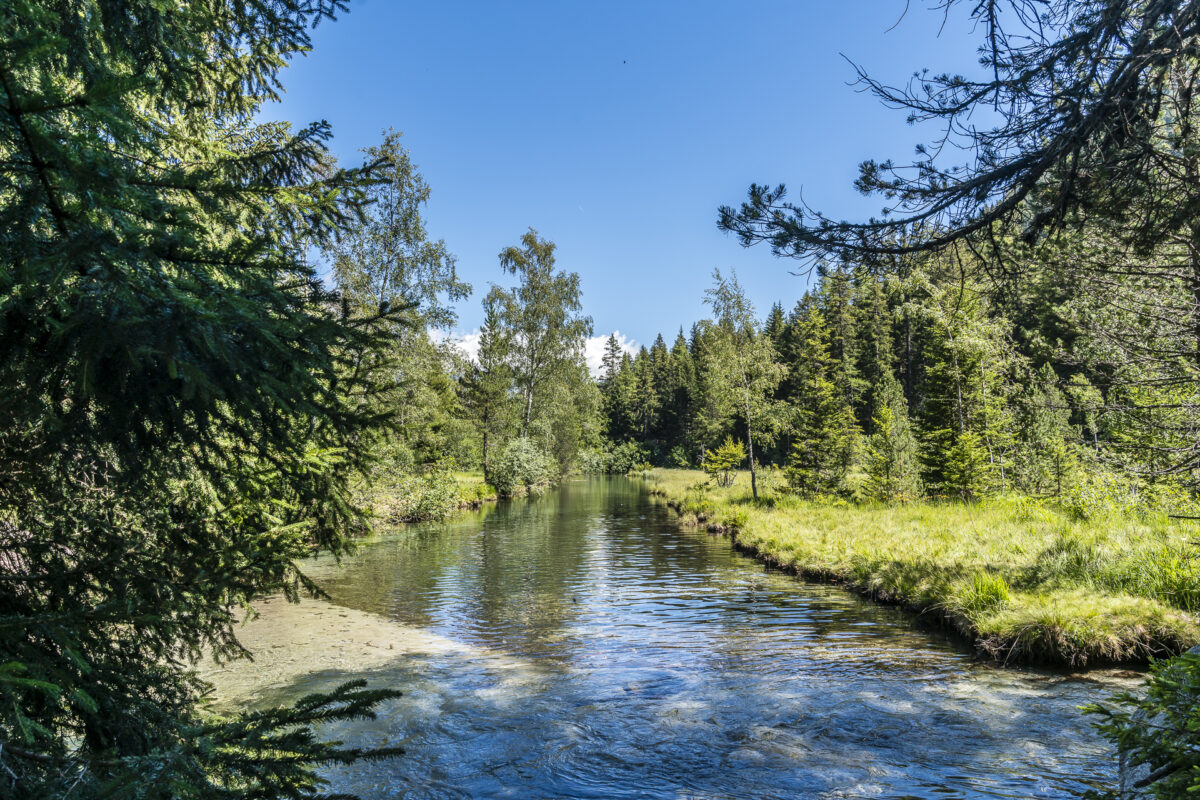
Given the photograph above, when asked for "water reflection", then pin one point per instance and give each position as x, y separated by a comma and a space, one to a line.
599, 653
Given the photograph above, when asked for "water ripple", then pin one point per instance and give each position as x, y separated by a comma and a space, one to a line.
606, 655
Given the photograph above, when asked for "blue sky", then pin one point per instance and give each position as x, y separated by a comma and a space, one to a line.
616, 129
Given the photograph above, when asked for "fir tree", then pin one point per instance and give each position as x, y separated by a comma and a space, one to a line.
891, 451
681, 400
185, 405
487, 387
775, 323
824, 434
966, 388
610, 362
874, 330
1044, 458
835, 294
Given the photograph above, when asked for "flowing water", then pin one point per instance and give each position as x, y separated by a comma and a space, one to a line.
580, 646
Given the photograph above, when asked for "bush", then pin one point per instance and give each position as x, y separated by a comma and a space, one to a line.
400, 496
614, 459
521, 465
625, 457
592, 461
1158, 732
429, 497
721, 463
679, 458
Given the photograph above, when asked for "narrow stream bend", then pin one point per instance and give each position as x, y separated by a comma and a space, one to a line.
580, 646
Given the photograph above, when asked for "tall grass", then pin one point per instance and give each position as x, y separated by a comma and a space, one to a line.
1026, 581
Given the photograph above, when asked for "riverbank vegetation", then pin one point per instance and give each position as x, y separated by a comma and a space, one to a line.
985, 405
518, 412
1071, 223
1025, 581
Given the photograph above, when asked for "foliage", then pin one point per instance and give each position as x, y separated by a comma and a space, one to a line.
1024, 586
388, 259
963, 466
545, 329
616, 459
486, 386
743, 370
1157, 730
824, 435
1092, 102
185, 406
425, 496
966, 424
722, 463
521, 466
891, 451
1045, 459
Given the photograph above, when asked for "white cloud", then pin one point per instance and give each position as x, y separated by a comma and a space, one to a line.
593, 348
468, 343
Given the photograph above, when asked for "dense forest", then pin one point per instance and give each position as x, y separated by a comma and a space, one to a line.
222, 351
926, 377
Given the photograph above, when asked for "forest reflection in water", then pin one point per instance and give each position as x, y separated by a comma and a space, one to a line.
580, 646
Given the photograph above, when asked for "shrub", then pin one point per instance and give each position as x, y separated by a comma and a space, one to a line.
625, 457
592, 461
429, 497
1158, 731
400, 496
521, 465
721, 463
612, 458
679, 458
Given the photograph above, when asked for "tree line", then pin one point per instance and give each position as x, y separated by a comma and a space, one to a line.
918, 377
523, 406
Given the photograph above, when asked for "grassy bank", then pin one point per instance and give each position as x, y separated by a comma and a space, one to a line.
1024, 581
429, 497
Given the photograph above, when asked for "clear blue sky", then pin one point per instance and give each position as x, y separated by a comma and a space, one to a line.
616, 129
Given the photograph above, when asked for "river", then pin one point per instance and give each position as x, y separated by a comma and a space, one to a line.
579, 645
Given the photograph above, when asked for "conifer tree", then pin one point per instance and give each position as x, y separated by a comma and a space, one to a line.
962, 465
891, 451
965, 417
874, 330
1088, 403
1044, 458
824, 433
488, 384
835, 292
645, 394
185, 404
775, 323
681, 400
610, 362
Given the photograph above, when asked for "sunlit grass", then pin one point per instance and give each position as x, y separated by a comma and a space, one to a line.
1023, 579
432, 496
